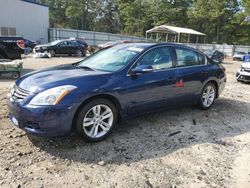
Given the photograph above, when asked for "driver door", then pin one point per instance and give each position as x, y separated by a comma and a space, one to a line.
63, 47
150, 91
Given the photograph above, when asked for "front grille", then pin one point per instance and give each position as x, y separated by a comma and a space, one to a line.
247, 70
18, 94
247, 78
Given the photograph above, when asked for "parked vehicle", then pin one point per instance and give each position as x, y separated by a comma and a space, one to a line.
69, 47
80, 41
112, 43
246, 57
243, 74
11, 47
239, 56
215, 55
13, 68
122, 81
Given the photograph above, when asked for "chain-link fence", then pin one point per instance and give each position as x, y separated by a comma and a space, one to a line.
95, 38
91, 37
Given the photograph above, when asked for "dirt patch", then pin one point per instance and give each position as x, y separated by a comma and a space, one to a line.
184, 147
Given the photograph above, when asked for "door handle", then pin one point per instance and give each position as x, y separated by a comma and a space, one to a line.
170, 78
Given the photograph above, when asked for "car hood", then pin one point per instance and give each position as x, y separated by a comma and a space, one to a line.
56, 76
246, 65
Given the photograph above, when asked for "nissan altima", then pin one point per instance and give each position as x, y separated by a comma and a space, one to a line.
126, 80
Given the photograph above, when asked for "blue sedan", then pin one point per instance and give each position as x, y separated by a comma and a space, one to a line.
123, 81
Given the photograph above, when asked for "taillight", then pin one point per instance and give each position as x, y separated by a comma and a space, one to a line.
20, 44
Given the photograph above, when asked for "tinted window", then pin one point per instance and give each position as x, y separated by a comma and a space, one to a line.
202, 59
188, 58
158, 58
73, 43
65, 43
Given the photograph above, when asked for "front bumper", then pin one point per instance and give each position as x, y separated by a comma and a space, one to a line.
42, 121
243, 76
39, 50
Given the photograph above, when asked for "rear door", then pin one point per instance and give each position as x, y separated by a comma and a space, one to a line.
73, 47
191, 72
153, 90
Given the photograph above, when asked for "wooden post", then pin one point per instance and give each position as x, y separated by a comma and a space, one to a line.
179, 36
175, 38
157, 36
146, 36
205, 39
188, 38
197, 39
167, 37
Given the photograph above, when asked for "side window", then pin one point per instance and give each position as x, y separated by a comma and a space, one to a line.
188, 58
202, 59
72, 43
158, 58
65, 43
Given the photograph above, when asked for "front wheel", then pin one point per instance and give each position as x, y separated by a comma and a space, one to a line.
96, 120
52, 53
208, 96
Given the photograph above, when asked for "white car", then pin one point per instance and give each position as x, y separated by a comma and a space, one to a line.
239, 56
243, 74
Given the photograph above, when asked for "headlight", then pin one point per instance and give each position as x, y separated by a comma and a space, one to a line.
52, 96
242, 69
11, 90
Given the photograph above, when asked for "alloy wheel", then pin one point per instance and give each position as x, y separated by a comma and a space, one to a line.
208, 96
98, 121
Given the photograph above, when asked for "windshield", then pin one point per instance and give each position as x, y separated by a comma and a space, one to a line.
240, 53
112, 59
55, 42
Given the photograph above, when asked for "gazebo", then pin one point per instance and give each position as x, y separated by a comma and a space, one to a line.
177, 32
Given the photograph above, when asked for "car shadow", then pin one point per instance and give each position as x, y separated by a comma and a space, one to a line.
155, 135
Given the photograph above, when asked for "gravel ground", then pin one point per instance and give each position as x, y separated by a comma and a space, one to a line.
185, 147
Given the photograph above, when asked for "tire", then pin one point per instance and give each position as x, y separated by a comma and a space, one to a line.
91, 123
52, 53
208, 96
16, 75
78, 53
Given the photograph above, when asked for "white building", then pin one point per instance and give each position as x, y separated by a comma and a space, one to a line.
24, 18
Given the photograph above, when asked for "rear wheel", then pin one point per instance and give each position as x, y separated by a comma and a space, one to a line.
15, 75
96, 120
208, 96
78, 53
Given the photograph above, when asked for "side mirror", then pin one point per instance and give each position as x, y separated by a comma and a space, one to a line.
142, 69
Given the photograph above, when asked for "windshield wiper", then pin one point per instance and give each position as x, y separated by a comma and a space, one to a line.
86, 67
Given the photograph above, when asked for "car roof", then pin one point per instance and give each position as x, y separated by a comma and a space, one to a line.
146, 45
